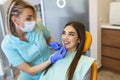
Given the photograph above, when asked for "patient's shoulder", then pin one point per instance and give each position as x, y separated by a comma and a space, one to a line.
86, 58
85, 61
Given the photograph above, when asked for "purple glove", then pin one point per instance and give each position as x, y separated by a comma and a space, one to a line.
58, 54
55, 45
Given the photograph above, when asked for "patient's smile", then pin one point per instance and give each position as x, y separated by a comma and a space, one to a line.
65, 42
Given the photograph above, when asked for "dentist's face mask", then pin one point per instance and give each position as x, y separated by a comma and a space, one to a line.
28, 26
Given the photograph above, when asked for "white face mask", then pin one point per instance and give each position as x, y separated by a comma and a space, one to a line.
28, 26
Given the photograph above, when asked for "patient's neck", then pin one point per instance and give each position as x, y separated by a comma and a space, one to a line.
71, 50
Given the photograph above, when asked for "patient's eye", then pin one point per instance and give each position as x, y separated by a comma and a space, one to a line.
63, 32
71, 33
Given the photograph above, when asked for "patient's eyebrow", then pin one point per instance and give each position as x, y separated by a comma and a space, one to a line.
72, 32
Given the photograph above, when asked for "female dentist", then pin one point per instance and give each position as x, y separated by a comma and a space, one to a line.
26, 46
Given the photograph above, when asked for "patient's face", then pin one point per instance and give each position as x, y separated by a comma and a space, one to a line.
70, 38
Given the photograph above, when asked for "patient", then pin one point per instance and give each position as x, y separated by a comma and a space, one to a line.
75, 66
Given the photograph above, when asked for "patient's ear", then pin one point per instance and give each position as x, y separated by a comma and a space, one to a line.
78, 40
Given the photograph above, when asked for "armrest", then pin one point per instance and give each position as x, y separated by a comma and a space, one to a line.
94, 71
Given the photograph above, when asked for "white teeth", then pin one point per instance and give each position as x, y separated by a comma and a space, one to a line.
66, 42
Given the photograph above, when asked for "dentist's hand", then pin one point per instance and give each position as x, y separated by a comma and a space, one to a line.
55, 45
58, 54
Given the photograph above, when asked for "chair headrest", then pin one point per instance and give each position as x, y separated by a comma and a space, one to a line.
88, 41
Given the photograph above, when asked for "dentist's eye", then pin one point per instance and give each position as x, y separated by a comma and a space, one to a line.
29, 19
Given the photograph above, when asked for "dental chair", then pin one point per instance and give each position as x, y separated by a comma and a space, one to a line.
88, 42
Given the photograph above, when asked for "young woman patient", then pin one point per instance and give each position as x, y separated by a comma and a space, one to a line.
75, 66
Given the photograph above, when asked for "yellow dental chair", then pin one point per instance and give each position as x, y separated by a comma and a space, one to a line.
88, 42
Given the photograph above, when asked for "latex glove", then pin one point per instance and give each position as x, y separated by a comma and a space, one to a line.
55, 45
58, 54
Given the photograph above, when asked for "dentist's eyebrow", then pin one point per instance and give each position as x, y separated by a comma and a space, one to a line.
29, 15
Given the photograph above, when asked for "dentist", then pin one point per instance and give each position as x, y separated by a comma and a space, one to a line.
26, 44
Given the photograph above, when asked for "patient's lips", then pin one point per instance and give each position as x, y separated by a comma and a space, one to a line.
66, 42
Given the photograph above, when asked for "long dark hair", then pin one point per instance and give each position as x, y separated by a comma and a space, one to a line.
80, 28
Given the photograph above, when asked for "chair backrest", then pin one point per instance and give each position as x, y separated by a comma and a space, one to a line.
88, 42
